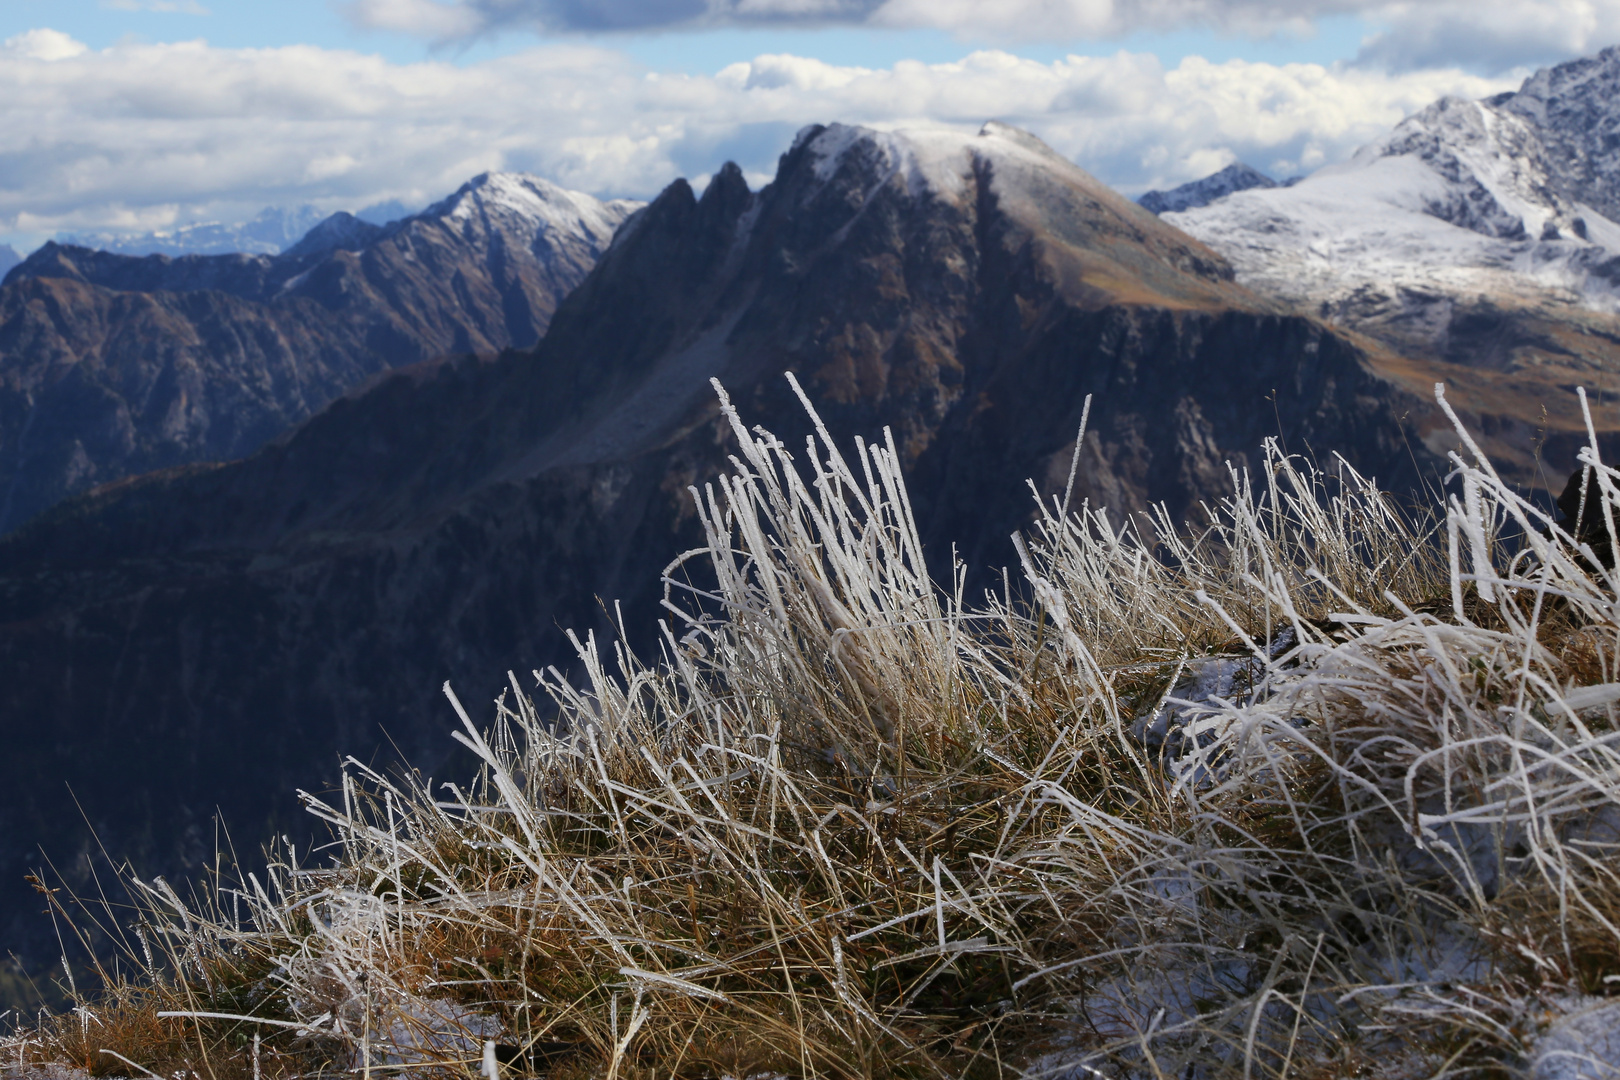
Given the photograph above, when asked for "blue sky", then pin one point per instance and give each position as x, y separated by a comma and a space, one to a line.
129, 116
257, 24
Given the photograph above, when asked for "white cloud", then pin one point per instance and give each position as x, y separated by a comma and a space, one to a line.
140, 135
423, 18
1491, 35
46, 45
1029, 19
172, 7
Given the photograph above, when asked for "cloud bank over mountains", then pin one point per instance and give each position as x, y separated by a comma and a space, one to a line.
1487, 35
139, 137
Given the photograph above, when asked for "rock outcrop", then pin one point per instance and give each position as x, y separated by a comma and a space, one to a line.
1235, 177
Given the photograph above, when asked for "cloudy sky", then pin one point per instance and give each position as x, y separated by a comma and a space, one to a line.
137, 115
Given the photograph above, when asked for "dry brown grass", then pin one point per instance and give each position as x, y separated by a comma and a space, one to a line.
851, 825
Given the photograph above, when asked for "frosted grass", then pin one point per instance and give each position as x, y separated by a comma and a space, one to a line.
852, 824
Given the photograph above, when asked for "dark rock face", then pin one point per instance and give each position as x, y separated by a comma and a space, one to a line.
112, 365
340, 232
1573, 109
215, 636
1235, 177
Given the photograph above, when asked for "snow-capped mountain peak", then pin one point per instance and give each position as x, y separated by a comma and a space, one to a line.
1503, 202
1493, 164
272, 230
940, 163
930, 161
1101, 236
530, 206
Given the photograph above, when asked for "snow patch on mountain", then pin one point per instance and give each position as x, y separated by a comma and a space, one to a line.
1233, 178
931, 161
1494, 166
1463, 198
518, 203
940, 163
521, 200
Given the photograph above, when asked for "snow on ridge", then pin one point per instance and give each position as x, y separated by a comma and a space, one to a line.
1574, 108
1464, 197
931, 161
272, 231
1563, 81
531, 204
939, 162
1495, 165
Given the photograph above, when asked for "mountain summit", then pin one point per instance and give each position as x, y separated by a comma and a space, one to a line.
112, 365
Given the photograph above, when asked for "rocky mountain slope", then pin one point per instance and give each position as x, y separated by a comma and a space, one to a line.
1480, 234
214, 637
1572, 109
1233, 178
112, 365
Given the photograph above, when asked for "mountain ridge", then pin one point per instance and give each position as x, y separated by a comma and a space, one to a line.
113, 364
1571, 105
1235, 177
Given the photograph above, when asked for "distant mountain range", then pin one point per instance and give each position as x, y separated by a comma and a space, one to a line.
112, 365
271, 232
8, 258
